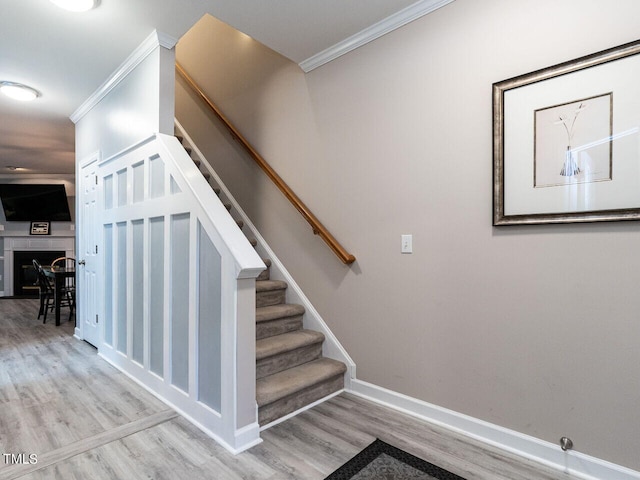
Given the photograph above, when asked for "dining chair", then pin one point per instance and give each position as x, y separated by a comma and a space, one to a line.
45, 289
65, 262
68, 263
47, 293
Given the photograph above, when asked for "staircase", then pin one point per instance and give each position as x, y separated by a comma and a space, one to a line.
291, 372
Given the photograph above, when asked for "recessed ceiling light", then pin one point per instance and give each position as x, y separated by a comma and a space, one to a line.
17, 91
76, 5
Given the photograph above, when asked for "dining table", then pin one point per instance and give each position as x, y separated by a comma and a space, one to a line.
59, 276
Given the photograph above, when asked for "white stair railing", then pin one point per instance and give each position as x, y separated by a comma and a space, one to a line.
179, 289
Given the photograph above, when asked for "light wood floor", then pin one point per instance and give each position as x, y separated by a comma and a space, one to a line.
85, 420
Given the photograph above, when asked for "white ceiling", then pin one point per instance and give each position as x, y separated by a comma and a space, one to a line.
67, 56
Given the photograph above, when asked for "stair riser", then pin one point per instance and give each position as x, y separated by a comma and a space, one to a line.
278, 327
270, 297
284, 406
284, 361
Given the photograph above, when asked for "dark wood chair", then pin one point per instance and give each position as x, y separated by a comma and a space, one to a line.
47, 293
45, 289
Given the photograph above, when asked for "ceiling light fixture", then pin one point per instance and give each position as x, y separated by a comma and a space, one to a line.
18, 91
76, 5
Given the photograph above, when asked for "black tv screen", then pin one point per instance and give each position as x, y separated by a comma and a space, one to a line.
23, 202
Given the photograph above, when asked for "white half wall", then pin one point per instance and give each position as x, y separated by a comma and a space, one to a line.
136, 101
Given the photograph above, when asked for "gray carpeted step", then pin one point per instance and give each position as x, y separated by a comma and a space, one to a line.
281, 352
278, 319
270, 292
285, 392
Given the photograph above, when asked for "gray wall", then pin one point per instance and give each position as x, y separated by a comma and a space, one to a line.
531, 328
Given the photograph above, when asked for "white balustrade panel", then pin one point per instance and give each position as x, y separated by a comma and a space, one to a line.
178, 289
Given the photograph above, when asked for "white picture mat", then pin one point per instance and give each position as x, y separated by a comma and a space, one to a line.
623, 191
579, 131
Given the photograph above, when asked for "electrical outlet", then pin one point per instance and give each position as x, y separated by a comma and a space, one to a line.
407, 244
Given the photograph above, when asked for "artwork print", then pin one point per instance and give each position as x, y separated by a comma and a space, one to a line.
566, 141
573, 142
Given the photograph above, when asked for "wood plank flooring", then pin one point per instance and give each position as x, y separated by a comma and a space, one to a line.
86, 420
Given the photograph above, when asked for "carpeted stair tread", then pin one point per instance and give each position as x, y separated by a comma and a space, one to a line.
276, 345
283, 384
274, 312
269, 285
270, 292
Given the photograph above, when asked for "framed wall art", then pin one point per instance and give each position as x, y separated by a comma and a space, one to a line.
40, 228
566, 141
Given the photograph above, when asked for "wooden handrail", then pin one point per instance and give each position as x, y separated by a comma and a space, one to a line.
316, 225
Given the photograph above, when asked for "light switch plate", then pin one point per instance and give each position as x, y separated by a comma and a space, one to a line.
407, 244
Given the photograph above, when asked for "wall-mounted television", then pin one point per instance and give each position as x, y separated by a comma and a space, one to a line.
25, 202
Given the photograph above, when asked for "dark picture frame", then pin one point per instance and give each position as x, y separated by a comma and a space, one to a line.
566, 141
40, 228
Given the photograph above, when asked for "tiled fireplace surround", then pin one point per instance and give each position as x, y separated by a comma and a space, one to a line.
35, 244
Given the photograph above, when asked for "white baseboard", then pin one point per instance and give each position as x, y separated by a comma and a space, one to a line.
574, 463
278, 421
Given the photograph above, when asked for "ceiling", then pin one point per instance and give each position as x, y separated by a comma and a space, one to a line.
67, 55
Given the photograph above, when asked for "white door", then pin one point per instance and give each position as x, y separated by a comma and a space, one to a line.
87, 265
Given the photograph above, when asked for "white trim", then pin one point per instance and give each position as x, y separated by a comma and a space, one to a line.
94, 157
277, 421
127, 150
89, 159
153, 41
571, 462
247, 437
369, 34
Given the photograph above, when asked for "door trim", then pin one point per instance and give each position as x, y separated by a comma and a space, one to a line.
93, 158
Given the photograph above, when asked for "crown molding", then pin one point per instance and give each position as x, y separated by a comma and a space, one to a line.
153, 41
397, 20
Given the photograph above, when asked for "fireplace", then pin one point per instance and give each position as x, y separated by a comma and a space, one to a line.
25, 279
